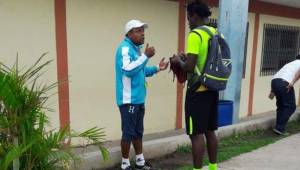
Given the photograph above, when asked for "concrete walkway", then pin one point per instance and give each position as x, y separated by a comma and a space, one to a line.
282, 155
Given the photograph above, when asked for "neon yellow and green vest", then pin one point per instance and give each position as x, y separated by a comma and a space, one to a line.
199, 47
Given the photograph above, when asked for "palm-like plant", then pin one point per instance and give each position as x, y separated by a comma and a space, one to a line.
24, 142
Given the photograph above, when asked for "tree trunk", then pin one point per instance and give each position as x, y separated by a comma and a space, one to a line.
16, 162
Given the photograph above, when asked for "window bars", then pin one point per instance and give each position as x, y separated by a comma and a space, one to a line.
281, 44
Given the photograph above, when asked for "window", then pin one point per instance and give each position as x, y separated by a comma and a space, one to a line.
281, 44
214, 23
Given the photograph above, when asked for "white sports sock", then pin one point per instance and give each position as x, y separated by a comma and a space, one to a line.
125, 163
140, 160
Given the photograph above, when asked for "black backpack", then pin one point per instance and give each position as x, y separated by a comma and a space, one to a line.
217, 68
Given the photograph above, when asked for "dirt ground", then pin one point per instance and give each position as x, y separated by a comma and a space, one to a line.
169, 162
172, 161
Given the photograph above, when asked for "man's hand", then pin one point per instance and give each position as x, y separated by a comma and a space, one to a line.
178, 60
182, 56
271, 95
174, 60
163, 65
289, 87
176, 68
149, 51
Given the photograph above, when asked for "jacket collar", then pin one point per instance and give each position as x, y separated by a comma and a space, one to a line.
137, 47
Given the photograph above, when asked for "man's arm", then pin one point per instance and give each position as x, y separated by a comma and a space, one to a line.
187, 63
295, 79
130, 68
151, 70
297, 76
291, 84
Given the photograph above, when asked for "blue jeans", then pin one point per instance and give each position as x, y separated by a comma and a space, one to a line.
285, 102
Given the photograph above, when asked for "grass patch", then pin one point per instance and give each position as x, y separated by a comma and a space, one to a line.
237, 144
184, 148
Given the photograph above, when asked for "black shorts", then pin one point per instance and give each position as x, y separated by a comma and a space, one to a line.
201, 112
132, 119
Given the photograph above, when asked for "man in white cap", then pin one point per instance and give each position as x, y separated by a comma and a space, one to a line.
131, 72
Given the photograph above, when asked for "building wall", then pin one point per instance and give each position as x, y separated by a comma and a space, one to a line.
245, 85
28, 29
246, 80
94, 30
261, 103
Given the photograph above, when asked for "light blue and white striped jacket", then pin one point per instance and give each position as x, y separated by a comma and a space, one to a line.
131, 70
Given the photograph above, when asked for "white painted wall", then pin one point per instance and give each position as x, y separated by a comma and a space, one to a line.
28, 29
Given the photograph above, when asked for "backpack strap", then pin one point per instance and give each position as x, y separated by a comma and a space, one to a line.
207, 30
196, 68
198, 35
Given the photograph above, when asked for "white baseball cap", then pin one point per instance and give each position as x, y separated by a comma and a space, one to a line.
134, 24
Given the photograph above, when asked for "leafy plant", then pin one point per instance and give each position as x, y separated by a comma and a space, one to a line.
24, 141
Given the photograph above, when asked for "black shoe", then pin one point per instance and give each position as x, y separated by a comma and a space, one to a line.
146, 166
278, 132
127, 168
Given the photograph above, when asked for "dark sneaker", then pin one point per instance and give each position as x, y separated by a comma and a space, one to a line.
147, 166
278, 132
127, 168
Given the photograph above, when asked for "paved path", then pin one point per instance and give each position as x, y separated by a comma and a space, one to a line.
282, 155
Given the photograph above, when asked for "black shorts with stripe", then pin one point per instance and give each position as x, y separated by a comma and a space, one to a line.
201, 112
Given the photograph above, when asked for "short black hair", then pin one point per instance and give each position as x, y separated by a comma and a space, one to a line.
298, 57
200, 8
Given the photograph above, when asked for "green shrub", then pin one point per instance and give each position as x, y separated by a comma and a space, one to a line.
24, 141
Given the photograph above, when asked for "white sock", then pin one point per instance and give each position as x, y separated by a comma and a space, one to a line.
140, 160
125, 163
